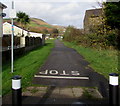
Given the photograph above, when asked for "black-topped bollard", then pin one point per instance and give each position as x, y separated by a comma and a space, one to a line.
113, 89
16, 91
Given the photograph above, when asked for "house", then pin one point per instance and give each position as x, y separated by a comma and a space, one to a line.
18, 32
91, 17
2, 6
33, 34
7, 29
42, 36
22, 33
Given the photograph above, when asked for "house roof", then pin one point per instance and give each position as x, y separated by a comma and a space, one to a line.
2, 6
93, 13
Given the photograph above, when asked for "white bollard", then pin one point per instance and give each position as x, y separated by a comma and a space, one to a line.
16, 91
113, 89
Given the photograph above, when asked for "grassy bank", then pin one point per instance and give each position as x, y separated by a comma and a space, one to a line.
26, 66
103, 61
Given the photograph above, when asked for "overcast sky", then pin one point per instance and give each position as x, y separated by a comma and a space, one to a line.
58, 12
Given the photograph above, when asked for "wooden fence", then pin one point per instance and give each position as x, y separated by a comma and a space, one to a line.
6, 41
32, 41
30, 44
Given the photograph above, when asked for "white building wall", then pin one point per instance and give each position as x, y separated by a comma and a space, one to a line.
17, 30
22, 41
42, 36
33, 34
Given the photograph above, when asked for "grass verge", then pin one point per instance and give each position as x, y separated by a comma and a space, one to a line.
26, 66
103, 61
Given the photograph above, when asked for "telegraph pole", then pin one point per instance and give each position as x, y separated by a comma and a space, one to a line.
12, 16
12, 36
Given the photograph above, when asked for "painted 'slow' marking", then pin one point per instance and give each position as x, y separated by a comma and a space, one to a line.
61, 77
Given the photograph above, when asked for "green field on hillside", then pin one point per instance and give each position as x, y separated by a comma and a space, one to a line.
33, 24
48, 26
37, 25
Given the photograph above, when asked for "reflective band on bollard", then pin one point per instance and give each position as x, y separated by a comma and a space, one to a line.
113, 89
16, 84
16, 91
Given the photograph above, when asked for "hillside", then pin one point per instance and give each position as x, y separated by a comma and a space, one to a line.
38, 25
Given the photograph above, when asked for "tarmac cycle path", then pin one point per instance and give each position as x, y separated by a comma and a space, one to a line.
66, 67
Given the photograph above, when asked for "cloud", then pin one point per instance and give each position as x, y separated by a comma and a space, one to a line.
70, 17
61, 13
34, 8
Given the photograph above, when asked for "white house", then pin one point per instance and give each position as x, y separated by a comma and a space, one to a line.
18, 32
33, 34
2, 6
7, 29
42, 36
